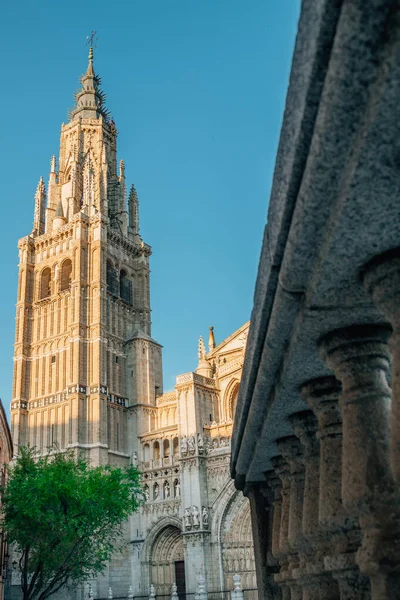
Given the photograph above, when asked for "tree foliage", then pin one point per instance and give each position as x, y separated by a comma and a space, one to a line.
65, 518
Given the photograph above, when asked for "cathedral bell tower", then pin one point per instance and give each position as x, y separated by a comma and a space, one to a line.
84, 358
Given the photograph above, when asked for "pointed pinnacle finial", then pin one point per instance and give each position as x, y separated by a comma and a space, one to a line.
91, 53
211, 339
40, 187
202, 349
53, 164
133, 211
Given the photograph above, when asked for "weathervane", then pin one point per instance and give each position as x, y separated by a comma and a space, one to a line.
90, 39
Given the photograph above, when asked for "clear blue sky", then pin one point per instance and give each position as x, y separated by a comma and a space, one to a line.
197, 90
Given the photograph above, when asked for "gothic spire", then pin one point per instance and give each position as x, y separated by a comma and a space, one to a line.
90, 99
133, 211
40, 206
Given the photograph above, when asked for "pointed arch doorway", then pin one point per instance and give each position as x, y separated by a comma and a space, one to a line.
167, 562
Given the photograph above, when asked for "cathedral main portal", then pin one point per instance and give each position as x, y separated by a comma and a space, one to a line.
167, 561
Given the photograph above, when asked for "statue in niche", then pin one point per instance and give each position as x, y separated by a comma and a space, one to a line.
177, 488
196, 516
146, 492
156, 491
167, 490
204, 516
184, 445
187, 518
200, 443
248, 559
134, 459
191, 444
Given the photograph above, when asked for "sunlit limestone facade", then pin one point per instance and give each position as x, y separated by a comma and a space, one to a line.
83, 351
88, 374
84, 356
194, 522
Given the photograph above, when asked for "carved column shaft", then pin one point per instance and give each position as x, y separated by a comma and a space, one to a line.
382, 280
316, 583
305, 427
292, 452
275, 484
260, 507
359, 355
322, 396
338, 533
280, 545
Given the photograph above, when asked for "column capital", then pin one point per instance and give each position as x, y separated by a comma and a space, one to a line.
292, 452
258, 488
305, 427
281, 468
381, 278
360, 357
322, 395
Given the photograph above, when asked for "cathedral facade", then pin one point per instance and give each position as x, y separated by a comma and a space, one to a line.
88, 374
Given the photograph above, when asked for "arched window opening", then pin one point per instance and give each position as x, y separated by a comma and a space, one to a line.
146, 452
156, 451
166, 448
112, 279
66, 275
45, 283
125, 287
175, 446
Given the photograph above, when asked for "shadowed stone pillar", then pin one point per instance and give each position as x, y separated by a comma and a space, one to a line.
333, 544
280, 547
317, 584
359, 356
322, 395
260, 506
340, 534
382, 280
292, 452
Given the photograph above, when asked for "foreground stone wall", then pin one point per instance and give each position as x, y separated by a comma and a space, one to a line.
316, 438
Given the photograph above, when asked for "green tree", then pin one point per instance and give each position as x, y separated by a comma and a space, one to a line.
65, 518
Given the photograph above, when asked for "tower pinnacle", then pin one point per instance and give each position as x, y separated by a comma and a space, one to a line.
203, 367
211, 339
40, 206
90, 99
133, 211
